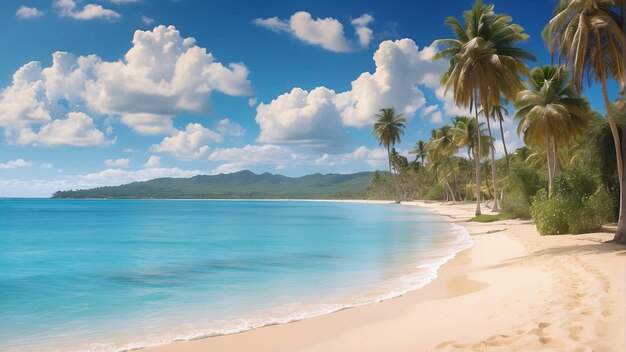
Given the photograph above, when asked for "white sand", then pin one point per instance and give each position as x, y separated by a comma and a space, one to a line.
513, 291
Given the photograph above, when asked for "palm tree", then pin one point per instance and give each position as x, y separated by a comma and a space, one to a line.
420, 151
484, 63
441, 148
497, 113
589, 35
388, 129
465, 134
551, 113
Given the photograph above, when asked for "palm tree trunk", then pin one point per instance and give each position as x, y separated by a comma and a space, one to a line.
615, 133
506, 152
620, 234
477, 158
393, 176
556, 159
494, 176
548, 158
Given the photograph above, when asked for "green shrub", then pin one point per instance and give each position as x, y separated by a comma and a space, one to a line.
521, 185
549, 214
575, 185
436, 192
560, 214
514, 206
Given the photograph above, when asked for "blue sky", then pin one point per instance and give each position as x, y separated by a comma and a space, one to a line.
150, 88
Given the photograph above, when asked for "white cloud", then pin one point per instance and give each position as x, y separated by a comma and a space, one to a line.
117, 162
273, 23
316, 117
401, 67
24, 102
13, 164
363, 32
147, 20
325, 32
241, 158
67, 8
153, 162
25, 12
299, 117
228, 128
47, 166
374, 157
76, 130
192, 143
252, 102
432, 112
161, 76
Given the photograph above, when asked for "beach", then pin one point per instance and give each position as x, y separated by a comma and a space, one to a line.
512, 291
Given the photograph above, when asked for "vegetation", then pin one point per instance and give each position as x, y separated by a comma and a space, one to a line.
568, 177
239, 185
488, 218
388, 129
484, 66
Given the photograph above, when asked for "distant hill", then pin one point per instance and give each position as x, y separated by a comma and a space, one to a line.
238, 185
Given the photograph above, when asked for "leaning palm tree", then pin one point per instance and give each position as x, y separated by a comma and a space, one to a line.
388, 129
589, 35
551, 113
420, 151
484, 63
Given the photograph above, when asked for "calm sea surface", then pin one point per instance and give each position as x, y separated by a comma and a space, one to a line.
107, 275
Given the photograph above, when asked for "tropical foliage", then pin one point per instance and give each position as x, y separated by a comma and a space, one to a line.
568, 176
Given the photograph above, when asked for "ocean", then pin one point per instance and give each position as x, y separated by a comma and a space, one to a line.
114, 275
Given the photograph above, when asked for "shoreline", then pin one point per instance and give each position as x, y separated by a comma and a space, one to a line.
473, 304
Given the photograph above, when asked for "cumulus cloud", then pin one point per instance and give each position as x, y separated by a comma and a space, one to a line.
228, 128
25, 12
23, 102
301, 117
401, 67
13, 164
76, 130
192, 143
153, 162
327, 32
252, 102
67, 8
317, 117
117, 162
363, 32
161, 76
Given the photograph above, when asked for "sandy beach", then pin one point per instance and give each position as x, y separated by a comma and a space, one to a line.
512, 291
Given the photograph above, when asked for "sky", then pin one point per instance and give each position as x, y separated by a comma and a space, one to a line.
105, 92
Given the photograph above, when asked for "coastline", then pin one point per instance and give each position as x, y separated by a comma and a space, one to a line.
512, 290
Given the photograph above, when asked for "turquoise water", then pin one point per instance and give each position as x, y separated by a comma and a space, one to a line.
107, 275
